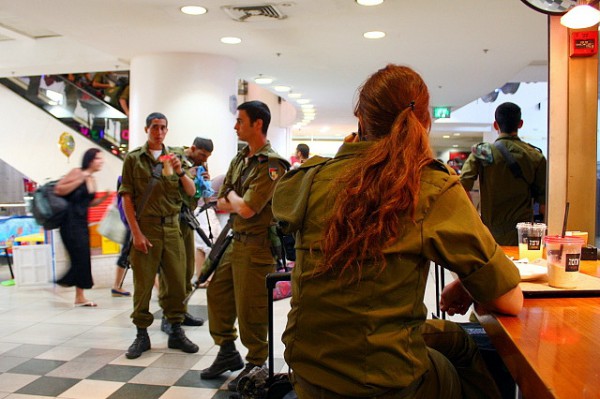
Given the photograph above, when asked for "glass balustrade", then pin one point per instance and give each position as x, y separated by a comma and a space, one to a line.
94, 118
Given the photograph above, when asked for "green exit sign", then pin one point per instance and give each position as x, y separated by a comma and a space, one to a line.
441, 112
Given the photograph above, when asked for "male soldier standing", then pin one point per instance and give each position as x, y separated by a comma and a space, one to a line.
238, 285
195, 155
511, 173
153, 217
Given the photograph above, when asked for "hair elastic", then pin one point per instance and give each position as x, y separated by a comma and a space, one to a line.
412, 105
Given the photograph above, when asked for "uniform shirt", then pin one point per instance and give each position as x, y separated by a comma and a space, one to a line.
165, 198
363, 339
254, 180
190, 200
506, 199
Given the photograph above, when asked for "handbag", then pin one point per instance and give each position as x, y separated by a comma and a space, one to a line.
112, 227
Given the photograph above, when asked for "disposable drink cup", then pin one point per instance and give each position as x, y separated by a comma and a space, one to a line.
564, 255
167, 168
167, 165
531, 236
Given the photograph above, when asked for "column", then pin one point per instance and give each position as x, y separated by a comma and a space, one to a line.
198, 95
572, 122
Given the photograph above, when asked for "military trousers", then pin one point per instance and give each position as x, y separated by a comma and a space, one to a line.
456, 370
167, 252
237, 290
187, 234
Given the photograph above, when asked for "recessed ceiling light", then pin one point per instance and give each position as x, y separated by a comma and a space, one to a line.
193, 10
305, 106
295, 95
457, 134
369, 2
263, 80
446, 136
303, 101
374, 35
455, 145
231, 40
282, 89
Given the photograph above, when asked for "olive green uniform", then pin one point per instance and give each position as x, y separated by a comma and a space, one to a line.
506, 199
186, 231
365, 339
238, 285
159, 222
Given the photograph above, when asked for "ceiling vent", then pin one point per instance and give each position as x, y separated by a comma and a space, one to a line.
245, 13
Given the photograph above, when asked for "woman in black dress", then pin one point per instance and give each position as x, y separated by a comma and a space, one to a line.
79, 187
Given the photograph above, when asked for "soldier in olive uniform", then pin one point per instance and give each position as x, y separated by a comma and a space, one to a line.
157, 240
192, 157
238, 285
368, 222
506, 197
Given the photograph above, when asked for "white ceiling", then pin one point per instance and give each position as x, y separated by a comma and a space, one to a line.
463, 48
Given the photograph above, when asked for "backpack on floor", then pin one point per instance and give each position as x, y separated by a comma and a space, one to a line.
49, 209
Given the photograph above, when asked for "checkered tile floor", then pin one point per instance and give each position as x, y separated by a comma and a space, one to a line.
50, 349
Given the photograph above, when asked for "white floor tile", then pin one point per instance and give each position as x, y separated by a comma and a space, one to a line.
91, 389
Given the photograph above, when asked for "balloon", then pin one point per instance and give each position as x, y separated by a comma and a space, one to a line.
67, 144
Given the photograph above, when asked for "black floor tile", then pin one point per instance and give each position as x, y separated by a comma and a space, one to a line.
48, 386
37, 366
115, 372
192, 379
129, 391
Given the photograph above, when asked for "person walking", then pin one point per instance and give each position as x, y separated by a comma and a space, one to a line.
368, 223
512, 176
79, 188
237, 288
153, 218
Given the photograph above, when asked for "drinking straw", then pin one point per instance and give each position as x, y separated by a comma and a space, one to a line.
564, 230
532, 216
566, 216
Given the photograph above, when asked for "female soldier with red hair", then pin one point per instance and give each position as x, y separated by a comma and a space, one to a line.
368, 222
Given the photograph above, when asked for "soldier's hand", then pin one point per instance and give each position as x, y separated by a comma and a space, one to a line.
141, 243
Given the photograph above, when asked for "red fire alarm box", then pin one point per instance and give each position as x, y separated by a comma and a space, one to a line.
584, 44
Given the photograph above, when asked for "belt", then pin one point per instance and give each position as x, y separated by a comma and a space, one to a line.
250, 239
172, 219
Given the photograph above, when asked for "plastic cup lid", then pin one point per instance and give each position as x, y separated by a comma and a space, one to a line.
563, 240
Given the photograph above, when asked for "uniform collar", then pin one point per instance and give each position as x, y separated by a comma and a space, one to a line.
506, 136
352, 149
147, 150
264, 150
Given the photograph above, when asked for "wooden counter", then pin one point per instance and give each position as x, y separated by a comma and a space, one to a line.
552, 347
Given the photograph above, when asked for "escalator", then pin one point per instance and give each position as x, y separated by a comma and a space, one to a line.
100, 121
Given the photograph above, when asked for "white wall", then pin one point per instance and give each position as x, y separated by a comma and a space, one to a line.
29, 142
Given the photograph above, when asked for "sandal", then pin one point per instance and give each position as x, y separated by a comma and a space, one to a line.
118, 293
88, 304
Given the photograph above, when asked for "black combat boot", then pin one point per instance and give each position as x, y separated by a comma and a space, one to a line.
228, 359
165, 326
178, 340
192, 321
232, 385
140, 344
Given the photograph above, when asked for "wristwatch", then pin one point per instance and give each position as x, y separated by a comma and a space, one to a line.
181, 174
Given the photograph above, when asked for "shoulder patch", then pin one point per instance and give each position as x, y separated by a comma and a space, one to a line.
483, 152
